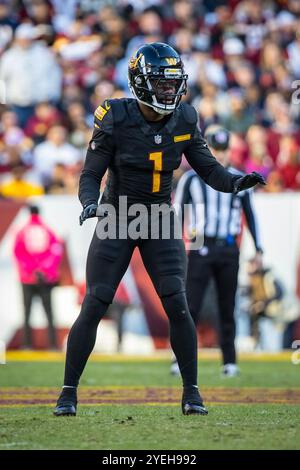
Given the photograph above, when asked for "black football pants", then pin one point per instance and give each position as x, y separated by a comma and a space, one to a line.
108, 259
220, 263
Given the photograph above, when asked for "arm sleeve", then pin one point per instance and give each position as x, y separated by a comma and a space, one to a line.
99, 156
251, 219
204, 163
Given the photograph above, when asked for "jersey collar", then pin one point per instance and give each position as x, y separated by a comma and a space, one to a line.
138, 118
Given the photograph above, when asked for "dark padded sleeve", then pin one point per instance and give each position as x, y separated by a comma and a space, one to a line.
99, 156
189, 113
208, 168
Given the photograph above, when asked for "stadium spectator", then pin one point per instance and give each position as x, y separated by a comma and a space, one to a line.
64, 179
266, 294
238, 151
77, 122
275, 182
282, 125
183, 16
102, 89
258, 158
207, 112
17, 187
239, 119
293, 50
7, 24
45, 115
241, 57
38, 252
211, 92
63, 14
11, 133
39, 12
54, 150
288, 162
183, 43
25, 69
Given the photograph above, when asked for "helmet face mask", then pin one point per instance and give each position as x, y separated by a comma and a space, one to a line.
156, 77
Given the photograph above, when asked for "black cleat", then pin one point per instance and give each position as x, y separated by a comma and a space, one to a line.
66, 403
192, 403
193, 409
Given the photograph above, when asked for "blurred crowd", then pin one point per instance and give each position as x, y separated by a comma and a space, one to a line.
59, 59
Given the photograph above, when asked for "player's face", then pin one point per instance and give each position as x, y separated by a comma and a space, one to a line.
165, 90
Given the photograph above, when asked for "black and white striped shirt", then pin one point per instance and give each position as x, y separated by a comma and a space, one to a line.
223, 211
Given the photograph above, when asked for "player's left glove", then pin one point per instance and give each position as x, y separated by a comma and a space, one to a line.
89, 211
247, 181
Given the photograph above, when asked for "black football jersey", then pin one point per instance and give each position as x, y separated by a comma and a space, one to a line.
141, 156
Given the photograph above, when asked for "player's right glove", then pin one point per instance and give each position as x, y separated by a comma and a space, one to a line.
247, 181
88, 211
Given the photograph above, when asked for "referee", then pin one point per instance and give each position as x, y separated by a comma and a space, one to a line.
218, 258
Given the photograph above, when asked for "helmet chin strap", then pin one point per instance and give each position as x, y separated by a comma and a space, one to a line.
165, 112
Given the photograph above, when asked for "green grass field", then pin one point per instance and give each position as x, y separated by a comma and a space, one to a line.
258, 410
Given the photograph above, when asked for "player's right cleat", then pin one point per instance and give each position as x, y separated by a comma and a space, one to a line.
67, 403
192, 403
193, 409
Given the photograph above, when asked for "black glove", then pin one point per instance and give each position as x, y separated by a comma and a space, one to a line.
89, 211
246, 182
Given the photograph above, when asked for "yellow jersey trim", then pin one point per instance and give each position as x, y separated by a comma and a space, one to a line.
181, 138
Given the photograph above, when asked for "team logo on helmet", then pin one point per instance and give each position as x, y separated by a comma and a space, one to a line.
171, 60
133, 63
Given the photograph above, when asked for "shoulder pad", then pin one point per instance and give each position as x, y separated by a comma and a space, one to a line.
103, 117
119, 109
189, 113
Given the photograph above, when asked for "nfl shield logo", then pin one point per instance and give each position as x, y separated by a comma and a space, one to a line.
157, 139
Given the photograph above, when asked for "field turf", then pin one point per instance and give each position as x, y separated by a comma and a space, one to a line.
135, 404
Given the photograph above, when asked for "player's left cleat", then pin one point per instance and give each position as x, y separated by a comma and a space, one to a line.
67, 403
192, 403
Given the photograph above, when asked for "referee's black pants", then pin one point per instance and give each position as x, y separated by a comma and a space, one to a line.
221, 263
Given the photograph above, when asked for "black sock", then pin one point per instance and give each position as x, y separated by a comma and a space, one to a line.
82, 337
183, 337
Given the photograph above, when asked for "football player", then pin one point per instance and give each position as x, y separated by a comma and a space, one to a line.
141, 141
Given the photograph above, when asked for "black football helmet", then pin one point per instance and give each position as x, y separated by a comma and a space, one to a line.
156, 77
